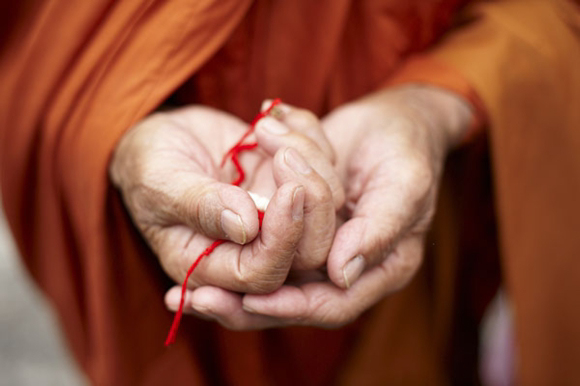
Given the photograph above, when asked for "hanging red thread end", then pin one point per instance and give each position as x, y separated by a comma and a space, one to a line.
177, 318
261, 217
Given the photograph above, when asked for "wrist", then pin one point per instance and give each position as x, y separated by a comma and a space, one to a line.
448, 115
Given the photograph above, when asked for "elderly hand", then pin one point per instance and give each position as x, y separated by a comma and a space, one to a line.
390, 149
167, 169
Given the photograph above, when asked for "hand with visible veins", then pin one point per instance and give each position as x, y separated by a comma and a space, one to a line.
390, 149
167, 169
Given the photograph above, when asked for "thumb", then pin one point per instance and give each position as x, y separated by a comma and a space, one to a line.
215, 209
367, 239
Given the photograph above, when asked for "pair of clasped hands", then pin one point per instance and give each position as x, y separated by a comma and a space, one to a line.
351, 197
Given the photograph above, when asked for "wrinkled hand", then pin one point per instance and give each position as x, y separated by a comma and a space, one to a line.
167, 169
390, 150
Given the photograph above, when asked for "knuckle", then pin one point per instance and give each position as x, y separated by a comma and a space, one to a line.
261, 281
197, 207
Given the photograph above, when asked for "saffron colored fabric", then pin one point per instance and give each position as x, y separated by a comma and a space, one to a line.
75, 75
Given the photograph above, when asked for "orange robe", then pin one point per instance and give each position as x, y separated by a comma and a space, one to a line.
75, 75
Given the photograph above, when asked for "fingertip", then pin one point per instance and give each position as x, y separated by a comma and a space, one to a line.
296, 162
302, 120
233, 226
345, 247
204, 298
284, 195
239, 220
290, 198
172, 298
209, 300
287, 203
283, 220
271, 134
306, 122
266, 104
220, 211
352, 270
289, 165
277, 111
269, 126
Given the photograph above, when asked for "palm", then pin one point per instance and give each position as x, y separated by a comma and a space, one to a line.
168, 168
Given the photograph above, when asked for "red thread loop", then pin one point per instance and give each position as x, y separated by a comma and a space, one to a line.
233, 154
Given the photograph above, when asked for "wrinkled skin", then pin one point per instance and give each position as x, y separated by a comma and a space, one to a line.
168, 170
388, 151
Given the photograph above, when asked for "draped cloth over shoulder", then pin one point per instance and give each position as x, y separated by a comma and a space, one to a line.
78, 74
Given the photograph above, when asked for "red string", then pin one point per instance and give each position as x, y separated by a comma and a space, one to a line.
233, 154
177, 319
239, 145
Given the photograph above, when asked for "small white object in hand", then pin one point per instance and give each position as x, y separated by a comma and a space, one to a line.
260, 201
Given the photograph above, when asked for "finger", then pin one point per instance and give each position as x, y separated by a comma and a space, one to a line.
304, 122
258, 267
266, 262
174, 182
225, 307
172, 301
325, 305
215, 209
319, 214
272, 135
394, 202
220, 211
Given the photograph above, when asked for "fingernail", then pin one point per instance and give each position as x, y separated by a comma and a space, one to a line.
202, 309
248, 309
273, 126
298, 204
277, 111
233, 226
295, 161
266, 104
353, 269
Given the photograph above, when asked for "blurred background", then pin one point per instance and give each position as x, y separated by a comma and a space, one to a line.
32, 351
